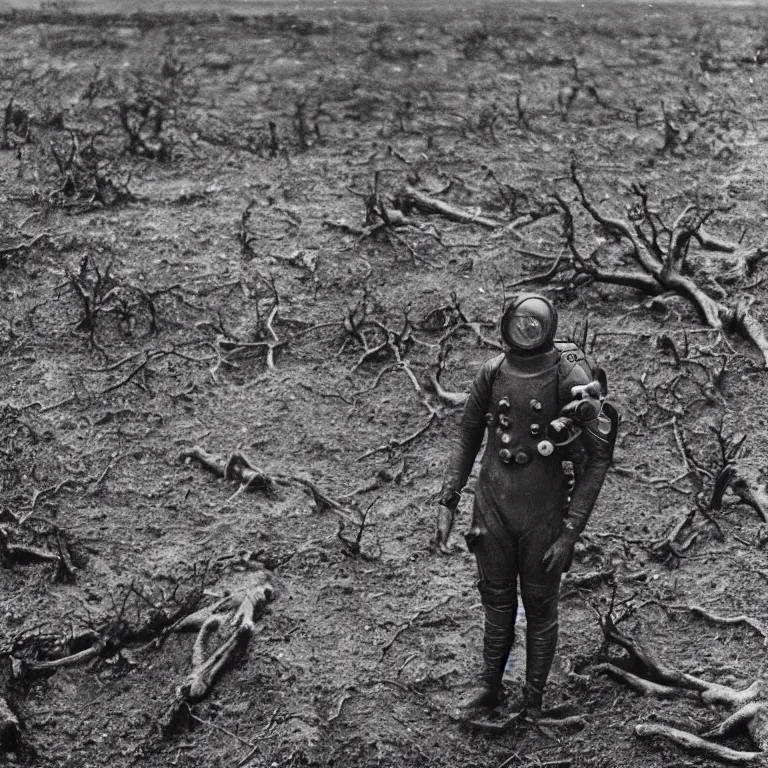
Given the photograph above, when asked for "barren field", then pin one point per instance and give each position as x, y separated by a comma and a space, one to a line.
245, 263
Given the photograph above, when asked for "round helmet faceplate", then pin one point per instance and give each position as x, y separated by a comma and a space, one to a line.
529, 324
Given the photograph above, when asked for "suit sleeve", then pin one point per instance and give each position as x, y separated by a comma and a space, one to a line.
591, 453
469, 435
599, 451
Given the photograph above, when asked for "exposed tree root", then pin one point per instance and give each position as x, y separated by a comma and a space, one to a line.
641, 685
153, 623
573, 582
409, 623
697, 745
655, 678
752, 497
17, 553
712, 618
239, 467
409, 198
236, 613
660, 255
455, 321
381, 216
10, 554
67, 661
394, 444
550, 719
451, 398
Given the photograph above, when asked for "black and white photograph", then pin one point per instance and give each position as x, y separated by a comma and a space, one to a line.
383, 383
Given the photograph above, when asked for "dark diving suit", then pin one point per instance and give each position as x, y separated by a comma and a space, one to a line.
526, 519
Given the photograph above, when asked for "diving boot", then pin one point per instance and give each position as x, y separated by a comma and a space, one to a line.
532, 699
484, 696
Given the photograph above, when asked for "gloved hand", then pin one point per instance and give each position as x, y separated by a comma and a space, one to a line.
559, 555
443, 528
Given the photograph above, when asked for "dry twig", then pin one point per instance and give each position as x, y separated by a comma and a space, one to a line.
409, 623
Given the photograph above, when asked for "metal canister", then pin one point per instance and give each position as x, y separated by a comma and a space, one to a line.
587, 411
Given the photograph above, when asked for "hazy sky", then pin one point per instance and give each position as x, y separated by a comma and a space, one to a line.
257, 6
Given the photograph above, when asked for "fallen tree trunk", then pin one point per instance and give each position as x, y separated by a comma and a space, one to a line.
408, 197
206, 667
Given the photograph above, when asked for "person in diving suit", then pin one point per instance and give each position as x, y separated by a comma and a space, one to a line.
527, 516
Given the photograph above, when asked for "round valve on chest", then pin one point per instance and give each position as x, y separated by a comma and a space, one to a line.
545, 448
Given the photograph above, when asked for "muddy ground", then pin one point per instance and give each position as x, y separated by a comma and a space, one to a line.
174, 189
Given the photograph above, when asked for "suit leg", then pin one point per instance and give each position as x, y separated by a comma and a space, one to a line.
540, 594
497, 570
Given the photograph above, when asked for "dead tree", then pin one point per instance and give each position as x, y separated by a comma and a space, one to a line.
725, 479
238, 467
138, 616
144, 118
672, 132
660, 254
233, 619
522, 112
100, 292
452, 321
737, 475
647, 675
84, 180
409, 198
16, 121
578, 85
